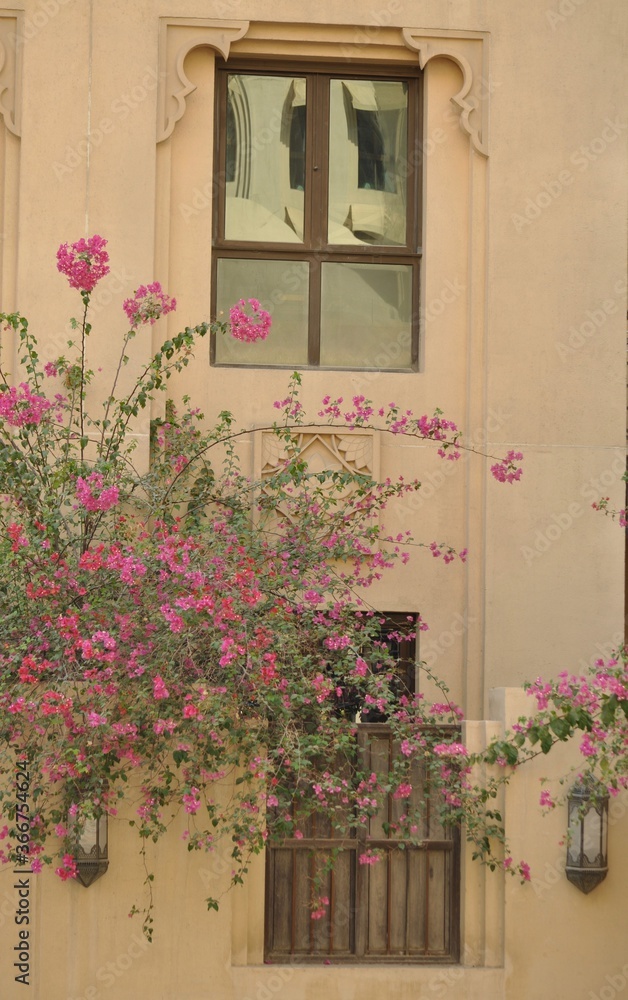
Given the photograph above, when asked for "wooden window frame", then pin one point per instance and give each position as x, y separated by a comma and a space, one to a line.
356, 908
350, 904
315, 250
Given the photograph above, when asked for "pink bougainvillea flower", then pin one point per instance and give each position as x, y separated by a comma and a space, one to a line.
68, 870
368, 858
84, 263
17, 536
94, 719
159, 689
507, 470
148, 304
403, 791
361, 667
90, 499
450, 750
19, 406
249, 326
321, 910
191, 801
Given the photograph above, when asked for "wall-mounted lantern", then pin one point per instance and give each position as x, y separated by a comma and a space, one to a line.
91, 850
587, 842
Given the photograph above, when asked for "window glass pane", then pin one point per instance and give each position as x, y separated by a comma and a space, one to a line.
366, 315
265, 158
368, 162
282, 288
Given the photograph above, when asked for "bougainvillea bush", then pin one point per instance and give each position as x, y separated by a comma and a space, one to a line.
169, 634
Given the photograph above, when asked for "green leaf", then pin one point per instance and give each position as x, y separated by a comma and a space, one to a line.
609, 709
534, 735
561, 728
547, 740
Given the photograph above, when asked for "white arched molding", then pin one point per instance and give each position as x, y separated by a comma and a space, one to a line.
11, 40
177, 37
468, 49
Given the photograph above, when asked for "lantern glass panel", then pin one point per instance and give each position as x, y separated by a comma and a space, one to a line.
102, 833
575, 834
87, 839
591, 825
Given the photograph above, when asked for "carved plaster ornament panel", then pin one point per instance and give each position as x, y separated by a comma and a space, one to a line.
468, 49
340, 451
353, 452
11, 41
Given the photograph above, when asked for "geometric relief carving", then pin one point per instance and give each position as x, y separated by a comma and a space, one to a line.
469, 50
354, 452
11, 42
322, 451
177, 37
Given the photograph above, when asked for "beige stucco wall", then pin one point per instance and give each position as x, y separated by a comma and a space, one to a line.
523, 345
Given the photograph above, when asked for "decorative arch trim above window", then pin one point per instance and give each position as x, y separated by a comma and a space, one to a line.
178, 36
11, 47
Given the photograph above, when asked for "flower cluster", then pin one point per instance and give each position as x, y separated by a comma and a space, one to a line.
20, 406
84, 263
94, 495
68, 869
507, 470
148, 304
249, 326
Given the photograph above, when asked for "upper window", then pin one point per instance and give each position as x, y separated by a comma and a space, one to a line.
316, 216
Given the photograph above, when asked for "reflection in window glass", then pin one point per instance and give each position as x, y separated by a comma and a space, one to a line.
371, 169
368, 149
282, 288
297, 148
366, 315
265, 154
316, 214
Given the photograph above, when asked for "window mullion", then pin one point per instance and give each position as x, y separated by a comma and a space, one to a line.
314, 312
318, 128
319, 106
310, 143
413, 216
